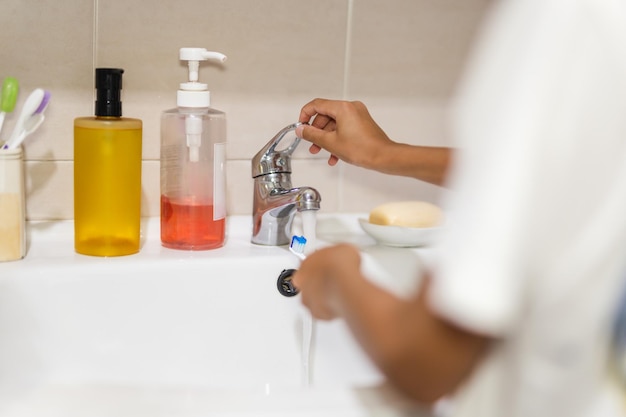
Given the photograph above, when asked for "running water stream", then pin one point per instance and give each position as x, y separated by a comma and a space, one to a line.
308, 229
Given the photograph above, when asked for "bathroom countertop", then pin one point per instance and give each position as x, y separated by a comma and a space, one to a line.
52, 242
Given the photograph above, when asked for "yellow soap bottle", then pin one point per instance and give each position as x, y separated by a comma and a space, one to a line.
107, 174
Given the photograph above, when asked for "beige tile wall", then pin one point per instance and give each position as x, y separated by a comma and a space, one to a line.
402, 57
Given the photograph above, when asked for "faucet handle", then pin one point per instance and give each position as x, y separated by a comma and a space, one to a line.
269, 160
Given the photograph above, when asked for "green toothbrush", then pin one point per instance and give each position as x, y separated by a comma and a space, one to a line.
10, 88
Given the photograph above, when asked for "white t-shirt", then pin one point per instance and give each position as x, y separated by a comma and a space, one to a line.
536, 242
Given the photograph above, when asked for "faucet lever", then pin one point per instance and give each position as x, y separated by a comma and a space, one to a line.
269, 160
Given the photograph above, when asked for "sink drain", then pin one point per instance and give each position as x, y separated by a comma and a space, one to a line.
284, 285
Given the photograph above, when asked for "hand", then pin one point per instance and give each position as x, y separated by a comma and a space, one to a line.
345, 129
321, 276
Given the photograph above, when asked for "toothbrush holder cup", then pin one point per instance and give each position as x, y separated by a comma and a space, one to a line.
12, 205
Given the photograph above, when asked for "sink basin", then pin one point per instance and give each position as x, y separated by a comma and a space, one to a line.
175, 333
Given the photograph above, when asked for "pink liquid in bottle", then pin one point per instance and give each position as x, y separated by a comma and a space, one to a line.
190, 226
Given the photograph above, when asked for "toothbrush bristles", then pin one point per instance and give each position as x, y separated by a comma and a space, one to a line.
44, 102
297, 246
298, 243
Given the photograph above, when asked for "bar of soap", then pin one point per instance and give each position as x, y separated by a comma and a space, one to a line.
407, 214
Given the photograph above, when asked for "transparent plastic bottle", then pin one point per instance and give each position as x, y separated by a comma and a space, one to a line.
193, 160
107, 174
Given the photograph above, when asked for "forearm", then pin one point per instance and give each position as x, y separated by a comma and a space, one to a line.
419, 353
425, 163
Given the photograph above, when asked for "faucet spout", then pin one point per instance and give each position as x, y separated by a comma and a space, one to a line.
274, 211
275, 200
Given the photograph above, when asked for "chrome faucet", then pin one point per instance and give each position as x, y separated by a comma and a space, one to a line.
275, 200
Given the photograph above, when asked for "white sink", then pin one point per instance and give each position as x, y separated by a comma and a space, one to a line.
175, 333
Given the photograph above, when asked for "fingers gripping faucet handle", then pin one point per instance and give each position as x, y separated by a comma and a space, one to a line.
271, 159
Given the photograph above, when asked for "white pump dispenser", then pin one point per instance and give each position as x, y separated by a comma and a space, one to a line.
194, 94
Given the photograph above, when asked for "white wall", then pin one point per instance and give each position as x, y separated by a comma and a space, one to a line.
401, 57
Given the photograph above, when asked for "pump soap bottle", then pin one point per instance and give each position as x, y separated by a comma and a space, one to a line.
193, 159
107, 174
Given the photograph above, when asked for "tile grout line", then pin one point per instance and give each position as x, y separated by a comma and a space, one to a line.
348, 51
344, 93
94, 58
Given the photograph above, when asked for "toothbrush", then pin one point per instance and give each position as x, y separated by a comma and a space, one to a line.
297, 246
30, 118
370, 268
10, 88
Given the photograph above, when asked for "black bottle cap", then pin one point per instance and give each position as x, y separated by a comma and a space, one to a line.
108, 92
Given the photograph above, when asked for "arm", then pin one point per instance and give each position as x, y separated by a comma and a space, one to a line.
349, 133
421, 354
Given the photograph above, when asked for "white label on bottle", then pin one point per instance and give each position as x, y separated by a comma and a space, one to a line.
219, 181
